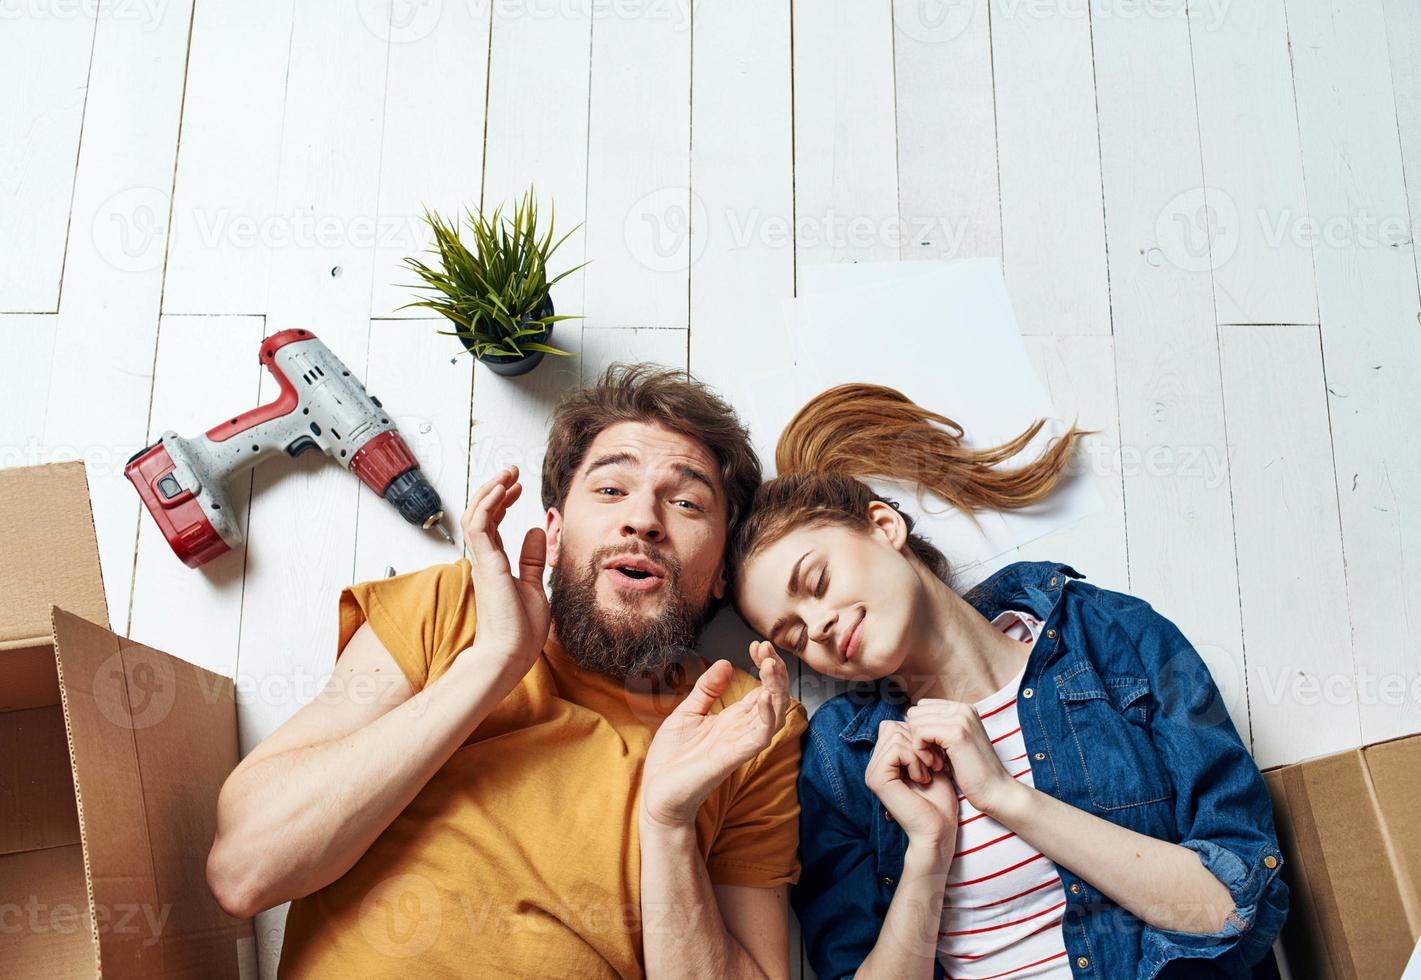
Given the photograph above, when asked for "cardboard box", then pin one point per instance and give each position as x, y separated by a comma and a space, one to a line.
1350, 828
111, 758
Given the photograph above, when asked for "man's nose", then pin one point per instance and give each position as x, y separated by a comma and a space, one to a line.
644, 521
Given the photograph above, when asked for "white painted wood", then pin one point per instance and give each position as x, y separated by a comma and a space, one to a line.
1053, 231
948, 199
845, 166
604, 346
206, 371
1403, 34
108, 321
1079, 374
25, 378
225, 221
511, 415
640, 208
1368, 305
428, 394
1179, 518
1301, 678
44, 69
744, 249
433, 136
1245, 216
301, 528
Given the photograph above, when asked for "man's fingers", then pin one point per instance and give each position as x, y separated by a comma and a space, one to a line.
709, 687
534, 557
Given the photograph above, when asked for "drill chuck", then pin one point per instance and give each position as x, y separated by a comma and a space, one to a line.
414, 498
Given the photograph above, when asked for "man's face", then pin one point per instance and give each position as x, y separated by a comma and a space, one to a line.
638, 549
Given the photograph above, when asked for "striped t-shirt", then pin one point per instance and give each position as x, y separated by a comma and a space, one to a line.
1002, 913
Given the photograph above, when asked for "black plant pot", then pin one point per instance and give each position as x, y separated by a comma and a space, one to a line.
512, 365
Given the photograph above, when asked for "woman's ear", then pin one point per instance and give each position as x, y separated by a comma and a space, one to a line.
888, 522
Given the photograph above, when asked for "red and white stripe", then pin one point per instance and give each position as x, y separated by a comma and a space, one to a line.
1002, 914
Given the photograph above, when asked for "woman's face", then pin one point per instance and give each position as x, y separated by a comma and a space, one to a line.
842, 600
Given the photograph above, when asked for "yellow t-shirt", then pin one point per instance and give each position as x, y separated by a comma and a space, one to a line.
520, 857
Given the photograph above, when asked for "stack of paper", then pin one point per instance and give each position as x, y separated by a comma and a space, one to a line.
942, 333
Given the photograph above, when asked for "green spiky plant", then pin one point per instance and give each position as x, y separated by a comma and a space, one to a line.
495, 293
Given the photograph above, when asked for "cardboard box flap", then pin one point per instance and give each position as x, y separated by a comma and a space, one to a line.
51, 554
152, 738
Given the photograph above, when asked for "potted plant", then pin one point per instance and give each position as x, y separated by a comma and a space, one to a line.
495, 293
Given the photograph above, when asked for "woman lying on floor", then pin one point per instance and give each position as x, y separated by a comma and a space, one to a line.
1038, 777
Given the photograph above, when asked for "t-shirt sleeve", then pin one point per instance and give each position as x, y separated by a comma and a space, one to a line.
758, 842
424, 618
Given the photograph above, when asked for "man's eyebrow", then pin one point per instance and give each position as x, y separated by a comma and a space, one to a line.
686, 471
790, 590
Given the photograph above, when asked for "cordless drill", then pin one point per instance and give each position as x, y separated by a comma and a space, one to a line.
321, 405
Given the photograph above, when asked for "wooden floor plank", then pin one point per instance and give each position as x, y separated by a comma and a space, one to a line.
948, 197
1179, 516
1246, 220
1368, 306
1053, 227
108, 319
1301, 679
44, 71
845, 133
225, 222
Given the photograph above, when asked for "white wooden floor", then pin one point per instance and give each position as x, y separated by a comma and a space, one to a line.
1204, 221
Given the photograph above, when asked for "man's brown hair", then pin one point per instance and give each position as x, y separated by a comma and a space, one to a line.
653, 394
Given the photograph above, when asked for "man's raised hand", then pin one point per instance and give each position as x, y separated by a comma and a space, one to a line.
694, 751
513, 616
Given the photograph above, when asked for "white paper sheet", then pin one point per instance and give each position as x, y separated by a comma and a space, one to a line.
944, 334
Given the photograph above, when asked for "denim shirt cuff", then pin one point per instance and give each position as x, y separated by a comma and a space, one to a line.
1245, 931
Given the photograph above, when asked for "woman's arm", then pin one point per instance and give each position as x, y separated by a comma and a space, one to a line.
1163, 883
907, 942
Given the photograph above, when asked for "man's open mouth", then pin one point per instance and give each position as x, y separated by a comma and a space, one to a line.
635, 573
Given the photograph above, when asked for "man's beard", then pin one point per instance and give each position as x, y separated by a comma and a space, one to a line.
623, 643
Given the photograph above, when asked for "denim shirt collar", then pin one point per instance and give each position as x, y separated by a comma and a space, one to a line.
1031, 586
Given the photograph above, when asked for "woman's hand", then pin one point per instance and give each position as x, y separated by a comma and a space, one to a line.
513, 616
911, 784
954, 729
694, 751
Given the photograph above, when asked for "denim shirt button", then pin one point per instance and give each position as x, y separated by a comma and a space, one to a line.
1075, 889
886, 881
1051, 634
887, 816
1039, 756
1082, 962
1270, 862
1027, 693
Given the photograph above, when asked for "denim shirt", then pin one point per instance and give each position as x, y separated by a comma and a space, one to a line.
1122, 720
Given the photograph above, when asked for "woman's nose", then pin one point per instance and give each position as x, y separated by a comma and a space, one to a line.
826, 627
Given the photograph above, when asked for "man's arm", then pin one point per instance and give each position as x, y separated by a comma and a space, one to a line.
305, 804
688, 929
691, 928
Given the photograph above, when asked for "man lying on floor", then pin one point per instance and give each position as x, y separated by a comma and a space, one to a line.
477, 791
